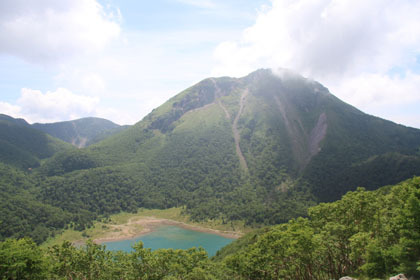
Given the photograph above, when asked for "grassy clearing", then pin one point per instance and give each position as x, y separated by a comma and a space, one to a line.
69, 235
103, 228
175, 214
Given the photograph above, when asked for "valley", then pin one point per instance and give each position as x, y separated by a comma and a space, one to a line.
254, 150
275, 160
210, 140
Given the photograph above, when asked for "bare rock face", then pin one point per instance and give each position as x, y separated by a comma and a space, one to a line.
399, 277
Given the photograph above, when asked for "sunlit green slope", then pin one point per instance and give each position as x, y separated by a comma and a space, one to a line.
260, 148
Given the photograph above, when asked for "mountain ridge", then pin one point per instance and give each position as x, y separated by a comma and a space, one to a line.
80, 132
23, 146
291, 131
260, 149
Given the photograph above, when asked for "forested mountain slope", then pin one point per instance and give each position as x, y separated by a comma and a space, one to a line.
279, 134
23, 146
81, 132
367, 234
22, 214
22, 150
262, 149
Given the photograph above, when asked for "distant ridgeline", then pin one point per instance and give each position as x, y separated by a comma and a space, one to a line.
82, 132
366, 234
262, 149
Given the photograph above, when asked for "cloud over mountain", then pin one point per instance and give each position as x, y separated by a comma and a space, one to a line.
340, 43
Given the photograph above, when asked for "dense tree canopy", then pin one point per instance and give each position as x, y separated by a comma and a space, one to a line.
367, 234
370, 234
300, 144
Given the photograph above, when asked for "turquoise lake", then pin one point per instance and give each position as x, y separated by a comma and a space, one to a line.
165, 237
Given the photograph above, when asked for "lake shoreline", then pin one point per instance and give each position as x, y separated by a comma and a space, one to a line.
149, 224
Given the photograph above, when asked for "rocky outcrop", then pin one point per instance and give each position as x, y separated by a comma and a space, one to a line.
396, 277
317, 135
399, 277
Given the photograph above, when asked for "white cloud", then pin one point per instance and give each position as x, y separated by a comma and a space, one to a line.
83, 79
410, 119
137, 72
366, 89
9, 109
57, 105
145, 71
62, 105
395, 98
48, 30
327, 37
93, 83
351, 46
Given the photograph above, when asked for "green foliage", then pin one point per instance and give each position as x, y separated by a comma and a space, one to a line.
90, 193
240, 244
17, 157
365, 234
370, 234
22, 214
185, 154
68, 161
22, 259
94, 262
301, 144
362, 150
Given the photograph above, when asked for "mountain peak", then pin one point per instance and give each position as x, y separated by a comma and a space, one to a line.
281, 119
259, 148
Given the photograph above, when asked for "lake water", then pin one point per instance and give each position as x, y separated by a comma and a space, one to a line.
165, 237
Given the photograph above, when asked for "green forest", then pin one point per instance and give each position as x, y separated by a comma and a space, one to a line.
302, 148
301, 144
366, 234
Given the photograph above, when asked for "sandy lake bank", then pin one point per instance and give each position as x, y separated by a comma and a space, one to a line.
141, 226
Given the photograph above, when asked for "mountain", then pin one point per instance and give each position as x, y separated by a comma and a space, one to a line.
82, 132
23, 146
272, 128
261, 148
22, 150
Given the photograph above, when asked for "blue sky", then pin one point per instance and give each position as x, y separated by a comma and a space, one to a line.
164, 15
62, 60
